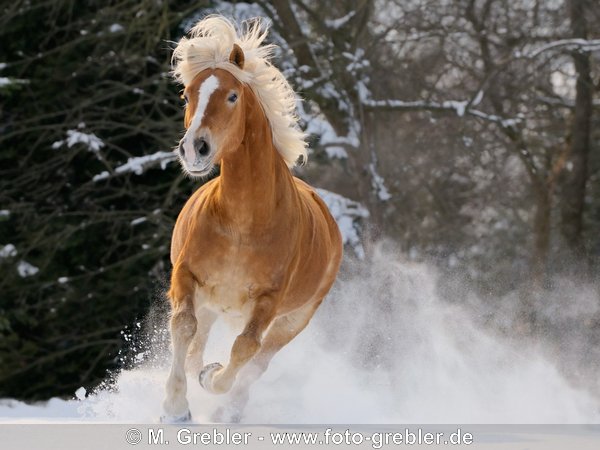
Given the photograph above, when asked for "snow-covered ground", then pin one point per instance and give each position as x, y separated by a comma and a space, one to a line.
384, 348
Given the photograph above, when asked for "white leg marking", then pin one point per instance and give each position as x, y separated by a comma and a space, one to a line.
183, 329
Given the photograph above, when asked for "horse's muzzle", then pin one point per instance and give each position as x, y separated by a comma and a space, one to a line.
197, 155
202, 150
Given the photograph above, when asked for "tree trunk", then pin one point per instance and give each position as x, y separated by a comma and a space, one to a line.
575, 178
541, 233
355, 167
531, 293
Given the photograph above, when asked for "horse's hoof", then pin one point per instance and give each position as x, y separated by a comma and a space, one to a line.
207, 374
184, 418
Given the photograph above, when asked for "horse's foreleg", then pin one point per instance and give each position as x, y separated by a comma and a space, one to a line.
183, 328
218, 379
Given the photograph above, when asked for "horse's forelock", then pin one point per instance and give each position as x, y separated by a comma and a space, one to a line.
209, 47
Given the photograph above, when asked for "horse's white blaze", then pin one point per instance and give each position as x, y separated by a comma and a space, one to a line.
206, 89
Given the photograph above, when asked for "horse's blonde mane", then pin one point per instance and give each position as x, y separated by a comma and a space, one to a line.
209, 45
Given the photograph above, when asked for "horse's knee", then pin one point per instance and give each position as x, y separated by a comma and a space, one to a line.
184, 325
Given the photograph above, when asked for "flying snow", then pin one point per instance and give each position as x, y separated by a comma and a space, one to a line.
385, 347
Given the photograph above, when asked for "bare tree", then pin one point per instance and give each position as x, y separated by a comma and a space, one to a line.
575, 178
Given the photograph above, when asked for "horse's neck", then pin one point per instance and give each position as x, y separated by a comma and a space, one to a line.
255, 182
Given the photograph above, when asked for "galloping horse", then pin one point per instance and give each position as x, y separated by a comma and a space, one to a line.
255, 242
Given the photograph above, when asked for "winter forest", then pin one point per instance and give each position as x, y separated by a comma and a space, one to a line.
456, 142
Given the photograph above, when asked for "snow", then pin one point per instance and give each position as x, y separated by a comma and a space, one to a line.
239, 11
74, 137
63, 280
459, 107
335, 151
563, 81
569, 44
5, 81
80, 393
115, 28
26, 269
321, 127
384, 347
4, 213
318, 125
347, 213
364, 94
357, 61
8, 251
379, 184
477, 99
510, 123
339, 23
138, 221
53, 411
139, 164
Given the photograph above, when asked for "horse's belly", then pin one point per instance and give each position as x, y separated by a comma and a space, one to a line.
226, 294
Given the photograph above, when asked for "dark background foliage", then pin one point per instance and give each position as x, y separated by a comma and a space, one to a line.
83, 74
500, 190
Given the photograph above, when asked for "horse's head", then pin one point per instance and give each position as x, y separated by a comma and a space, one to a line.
214, 117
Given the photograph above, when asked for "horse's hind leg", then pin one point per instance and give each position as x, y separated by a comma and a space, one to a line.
183, 329
280, 333
218, 379
195, 361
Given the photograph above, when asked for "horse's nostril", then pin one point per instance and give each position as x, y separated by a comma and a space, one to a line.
201, 147
181, 150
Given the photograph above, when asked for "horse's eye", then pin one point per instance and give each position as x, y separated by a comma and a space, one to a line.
184, 98
232, 98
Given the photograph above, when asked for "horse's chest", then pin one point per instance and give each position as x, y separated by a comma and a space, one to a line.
232, 272
229, 282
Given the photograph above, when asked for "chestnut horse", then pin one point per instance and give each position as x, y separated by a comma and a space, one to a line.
255, 242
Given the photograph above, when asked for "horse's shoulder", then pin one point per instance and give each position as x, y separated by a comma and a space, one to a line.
188, 215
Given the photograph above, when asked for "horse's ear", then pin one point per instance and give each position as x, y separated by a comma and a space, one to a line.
237, 56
